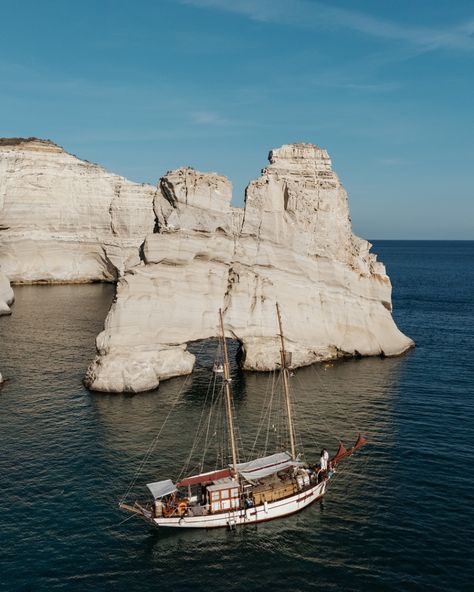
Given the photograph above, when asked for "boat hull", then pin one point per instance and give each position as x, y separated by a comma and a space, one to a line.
241, 517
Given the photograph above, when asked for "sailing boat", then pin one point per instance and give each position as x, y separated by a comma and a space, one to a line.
242, 493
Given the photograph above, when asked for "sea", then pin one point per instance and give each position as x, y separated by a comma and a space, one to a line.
398, 515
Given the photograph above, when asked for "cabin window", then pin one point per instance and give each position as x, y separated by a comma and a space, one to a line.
225, 499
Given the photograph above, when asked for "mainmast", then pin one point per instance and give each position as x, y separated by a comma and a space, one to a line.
228, 398
286, 391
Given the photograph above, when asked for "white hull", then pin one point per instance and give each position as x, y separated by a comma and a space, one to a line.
267, 511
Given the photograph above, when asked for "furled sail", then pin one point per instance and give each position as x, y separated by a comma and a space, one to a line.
344, 453
361, 440
205, 477
268, 465
341, 453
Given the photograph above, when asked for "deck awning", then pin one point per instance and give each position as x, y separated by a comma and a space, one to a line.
268, 465
161, 488
205, 477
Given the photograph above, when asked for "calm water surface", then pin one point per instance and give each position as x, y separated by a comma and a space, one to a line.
398, 516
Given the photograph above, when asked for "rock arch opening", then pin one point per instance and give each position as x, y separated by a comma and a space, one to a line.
207, 351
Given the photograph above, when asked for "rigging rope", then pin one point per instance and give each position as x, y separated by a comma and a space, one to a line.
198, 434
266, 407
154, 442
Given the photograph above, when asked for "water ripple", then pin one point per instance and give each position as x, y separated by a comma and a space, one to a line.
398, 516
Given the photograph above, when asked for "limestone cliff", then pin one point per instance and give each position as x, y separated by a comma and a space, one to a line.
292, 243
63, 219
6, 295
6, 298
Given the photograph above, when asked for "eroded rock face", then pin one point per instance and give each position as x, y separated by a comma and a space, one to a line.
63, 219
6, 295
291, 244
6, 298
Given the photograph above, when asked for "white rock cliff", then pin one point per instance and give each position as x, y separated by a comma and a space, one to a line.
6, 298
63, 219
292, 243
6, 294
180, 252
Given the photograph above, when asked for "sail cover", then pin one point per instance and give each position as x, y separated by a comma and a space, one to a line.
161, 488
205, 477
268, 465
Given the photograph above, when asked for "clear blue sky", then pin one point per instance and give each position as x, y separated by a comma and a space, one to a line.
142, 87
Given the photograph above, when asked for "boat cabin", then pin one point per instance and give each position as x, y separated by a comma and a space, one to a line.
223, 496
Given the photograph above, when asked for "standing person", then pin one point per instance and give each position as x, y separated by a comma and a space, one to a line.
323, 465
325, 453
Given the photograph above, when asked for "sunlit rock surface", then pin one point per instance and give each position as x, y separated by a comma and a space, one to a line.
180, 252
63, 219
6, 294
292, 243
6, 298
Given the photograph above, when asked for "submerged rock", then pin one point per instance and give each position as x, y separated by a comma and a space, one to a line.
292, 243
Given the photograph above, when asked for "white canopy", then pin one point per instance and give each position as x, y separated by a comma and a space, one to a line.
161, 488
268, 465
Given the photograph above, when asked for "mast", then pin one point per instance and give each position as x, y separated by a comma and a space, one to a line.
286, 391
228, 398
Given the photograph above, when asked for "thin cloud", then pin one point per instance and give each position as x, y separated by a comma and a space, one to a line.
381, 87
210, 118
317, 15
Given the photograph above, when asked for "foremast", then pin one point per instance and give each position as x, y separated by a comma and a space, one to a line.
286, 390
228, 399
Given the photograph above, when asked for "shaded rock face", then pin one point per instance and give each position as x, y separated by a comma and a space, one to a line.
291, 244
63, 219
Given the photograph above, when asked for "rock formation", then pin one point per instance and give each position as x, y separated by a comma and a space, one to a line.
292, 243
180, 252
6, 298
63, 219
6, 295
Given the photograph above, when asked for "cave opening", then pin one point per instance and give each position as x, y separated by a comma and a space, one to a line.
207, 351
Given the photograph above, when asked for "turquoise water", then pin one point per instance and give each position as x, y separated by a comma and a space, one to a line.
398, 516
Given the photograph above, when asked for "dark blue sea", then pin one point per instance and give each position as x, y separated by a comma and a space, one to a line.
398, 515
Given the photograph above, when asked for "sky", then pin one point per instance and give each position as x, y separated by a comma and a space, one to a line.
145, 86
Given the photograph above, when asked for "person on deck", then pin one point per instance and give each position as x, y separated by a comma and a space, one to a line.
325, 453
323, 465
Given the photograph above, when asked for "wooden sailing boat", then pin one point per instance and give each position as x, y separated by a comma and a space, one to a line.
242, 493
